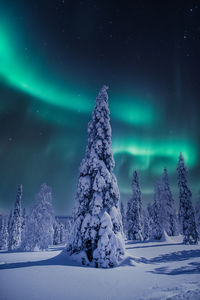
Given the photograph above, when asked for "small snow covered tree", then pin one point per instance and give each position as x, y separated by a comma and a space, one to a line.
64, 234
168, 210
123, 216
186, 211
96, 235
146, 225
4, 234
150, 217
134, 212
10, 221
15, 225
157, 228
65, 230
23, 222
197, 215
56, 234
39, 231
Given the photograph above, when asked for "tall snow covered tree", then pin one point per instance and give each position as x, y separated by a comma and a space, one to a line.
168, 211
134, 212
157, 228
197, 215
96, 235
186, 211
15, 224
38, 233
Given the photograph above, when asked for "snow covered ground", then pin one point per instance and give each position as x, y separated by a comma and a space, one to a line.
151, 270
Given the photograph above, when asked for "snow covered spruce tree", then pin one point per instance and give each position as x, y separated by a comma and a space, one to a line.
134, 212
38, 233
168, 211
96, 236
186, 211
15, 223
157, 228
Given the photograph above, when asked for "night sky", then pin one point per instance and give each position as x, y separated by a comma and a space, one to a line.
55, 56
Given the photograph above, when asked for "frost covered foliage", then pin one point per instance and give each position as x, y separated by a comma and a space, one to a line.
4, 234
15, 223
197, 214
186, 211
38, 234
134, 212
157, 228
168, 211
96, 235
123, 216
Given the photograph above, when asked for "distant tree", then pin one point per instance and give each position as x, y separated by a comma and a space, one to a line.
157, 226
150, 216
123, 216
186, 211
56, 235
65, 230
4, 234
15, 223
23, 222
1, 221
64, 234
39, 226
197, 215
146, 225
96, 235
134, 211
10, 221
168, 210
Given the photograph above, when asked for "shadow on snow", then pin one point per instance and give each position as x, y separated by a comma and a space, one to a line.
61, 259
152, 246
191, 268
170, 257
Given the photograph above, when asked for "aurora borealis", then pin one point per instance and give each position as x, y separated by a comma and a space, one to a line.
56, 55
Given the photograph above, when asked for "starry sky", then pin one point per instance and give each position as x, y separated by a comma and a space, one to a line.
55, 56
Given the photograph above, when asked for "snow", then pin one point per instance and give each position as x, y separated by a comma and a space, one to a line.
150, 270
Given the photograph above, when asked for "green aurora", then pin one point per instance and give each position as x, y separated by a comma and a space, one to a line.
18, 73
61, 103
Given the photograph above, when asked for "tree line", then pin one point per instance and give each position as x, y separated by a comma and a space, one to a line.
36, 230
160, 218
